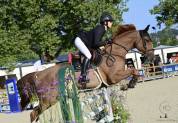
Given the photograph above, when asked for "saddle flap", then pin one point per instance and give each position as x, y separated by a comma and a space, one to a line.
96, 57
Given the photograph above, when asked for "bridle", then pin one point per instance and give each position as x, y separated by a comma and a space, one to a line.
110, 55
141, 32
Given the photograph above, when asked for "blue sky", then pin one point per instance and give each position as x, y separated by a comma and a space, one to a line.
138, 13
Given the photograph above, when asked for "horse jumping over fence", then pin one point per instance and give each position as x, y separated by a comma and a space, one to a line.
111, 70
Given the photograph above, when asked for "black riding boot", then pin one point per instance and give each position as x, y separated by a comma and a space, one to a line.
85, 66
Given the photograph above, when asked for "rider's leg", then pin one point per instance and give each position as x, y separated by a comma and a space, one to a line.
85, 51
82, 47
84, 69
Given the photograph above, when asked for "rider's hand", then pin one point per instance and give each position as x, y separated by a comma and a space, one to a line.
109, 41
102, 47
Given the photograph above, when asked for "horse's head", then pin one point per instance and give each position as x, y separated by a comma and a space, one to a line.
127, 38
145, 44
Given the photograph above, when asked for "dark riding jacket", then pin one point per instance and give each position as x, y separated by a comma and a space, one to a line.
93, 38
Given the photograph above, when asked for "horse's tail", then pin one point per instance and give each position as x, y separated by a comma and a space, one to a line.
25, 87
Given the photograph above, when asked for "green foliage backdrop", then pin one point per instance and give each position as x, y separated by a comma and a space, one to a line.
166, 12
30, 27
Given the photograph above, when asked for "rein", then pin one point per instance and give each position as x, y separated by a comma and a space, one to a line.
121, 46
110, 56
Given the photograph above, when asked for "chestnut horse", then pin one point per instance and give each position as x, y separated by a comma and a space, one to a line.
111, 70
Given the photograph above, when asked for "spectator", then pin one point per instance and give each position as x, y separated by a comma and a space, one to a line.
172, 60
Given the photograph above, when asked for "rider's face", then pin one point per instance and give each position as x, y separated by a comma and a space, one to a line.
109, 24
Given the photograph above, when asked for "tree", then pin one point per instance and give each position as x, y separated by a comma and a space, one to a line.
28, 28
14, 47
166, 12
166, 37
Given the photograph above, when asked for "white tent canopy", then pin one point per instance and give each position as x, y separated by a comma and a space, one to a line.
163, 50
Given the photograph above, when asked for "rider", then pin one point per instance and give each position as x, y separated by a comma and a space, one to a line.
92, 40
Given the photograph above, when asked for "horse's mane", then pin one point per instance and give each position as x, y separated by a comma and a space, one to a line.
124, 28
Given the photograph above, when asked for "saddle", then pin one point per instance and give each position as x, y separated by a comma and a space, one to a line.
76, 59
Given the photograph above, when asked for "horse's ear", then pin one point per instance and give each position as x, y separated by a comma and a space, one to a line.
147, 28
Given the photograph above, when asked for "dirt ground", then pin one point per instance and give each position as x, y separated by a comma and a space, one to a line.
22, 117
154, 101
150, 102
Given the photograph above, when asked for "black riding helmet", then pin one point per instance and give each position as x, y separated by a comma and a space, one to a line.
105, 17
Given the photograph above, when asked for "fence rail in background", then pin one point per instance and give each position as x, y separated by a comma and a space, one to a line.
158, 72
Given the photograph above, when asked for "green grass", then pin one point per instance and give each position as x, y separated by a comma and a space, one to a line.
121, 115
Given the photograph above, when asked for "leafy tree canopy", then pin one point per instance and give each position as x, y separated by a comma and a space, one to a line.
166, 12
166, 37
28, 28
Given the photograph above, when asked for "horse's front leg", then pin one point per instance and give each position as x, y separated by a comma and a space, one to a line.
134, 79
115, 77
44, 103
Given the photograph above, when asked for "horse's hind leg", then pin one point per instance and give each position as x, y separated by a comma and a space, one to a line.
34, 115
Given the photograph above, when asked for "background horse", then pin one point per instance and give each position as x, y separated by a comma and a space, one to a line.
111, 70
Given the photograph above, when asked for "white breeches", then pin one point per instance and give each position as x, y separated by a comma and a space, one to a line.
81, 46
